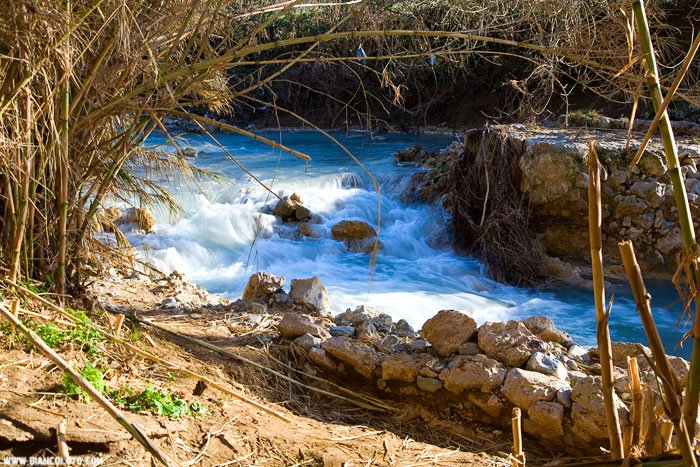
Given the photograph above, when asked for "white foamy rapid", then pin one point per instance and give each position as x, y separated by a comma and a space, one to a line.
222, 236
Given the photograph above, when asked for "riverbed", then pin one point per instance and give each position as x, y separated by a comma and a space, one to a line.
223, 234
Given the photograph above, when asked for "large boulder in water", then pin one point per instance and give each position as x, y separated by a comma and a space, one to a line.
291, 208
310, 293
358, 236
105, 219
262, 286
141, 217
414, 155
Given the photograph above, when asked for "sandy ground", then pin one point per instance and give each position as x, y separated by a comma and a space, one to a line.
310, 428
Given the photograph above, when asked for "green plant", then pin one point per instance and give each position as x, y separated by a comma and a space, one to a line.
51, 334
85, 333
162, 402
91, 373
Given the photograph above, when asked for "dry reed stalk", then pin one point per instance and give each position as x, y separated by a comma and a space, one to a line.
63, 450
603, 330
672, 391
115, 413
518, 456
637, 409
671, 93
690, 248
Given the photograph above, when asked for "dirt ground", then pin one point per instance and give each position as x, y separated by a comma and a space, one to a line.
309, 428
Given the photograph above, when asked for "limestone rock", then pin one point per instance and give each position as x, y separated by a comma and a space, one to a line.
547, 418
321, 358
141, 217
403, 329
588, 411
400, 367
347, 331
489, 403
294, 325
309, 230
550, 171
447, 330
579, 353
622, 350
547, 365
510, 343
262, 286
670, 242
364, 314
106, 218
522, 387
653, 164
477, 372
284, 208
310, 293
428, 384
651, 192
367, 331
544, 328
357, 236
307, 341
360, 357
391, 343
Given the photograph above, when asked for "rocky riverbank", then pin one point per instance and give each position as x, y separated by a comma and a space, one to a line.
452, 365
534, 181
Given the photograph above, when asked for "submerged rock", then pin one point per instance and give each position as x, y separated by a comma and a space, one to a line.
358, 236
106, 218
290, 208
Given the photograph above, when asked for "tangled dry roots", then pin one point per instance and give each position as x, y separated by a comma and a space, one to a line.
490, 214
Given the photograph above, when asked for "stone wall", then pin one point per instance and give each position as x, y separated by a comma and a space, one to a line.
552, 178
454, 368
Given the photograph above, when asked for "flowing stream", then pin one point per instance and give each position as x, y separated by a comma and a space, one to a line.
222, 236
